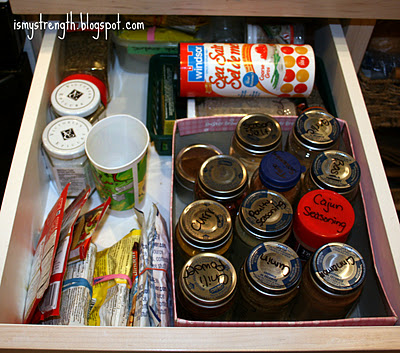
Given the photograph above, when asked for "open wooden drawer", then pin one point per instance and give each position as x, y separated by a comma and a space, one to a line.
28, 197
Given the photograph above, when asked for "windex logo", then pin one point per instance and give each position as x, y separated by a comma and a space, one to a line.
68, 134
75, 95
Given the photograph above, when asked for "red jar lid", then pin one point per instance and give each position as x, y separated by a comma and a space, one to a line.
96, 81
323, 216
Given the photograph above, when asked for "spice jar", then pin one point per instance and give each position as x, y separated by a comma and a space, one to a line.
264, 215
336, 171
77, 98
204, 226
187, 165
63, 142
314, 131
87, 53
222, 178
321, 217
268, 282
331, 283
255, 136
206, 287
279, 171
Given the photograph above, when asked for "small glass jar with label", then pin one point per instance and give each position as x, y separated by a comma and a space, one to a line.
255, 136
224, 179
187, 165
331, 283
204, 226
264, 215
336, 171
321, 217
63, 142
314, 131
268, 283
279, 171
77, 98
206, 288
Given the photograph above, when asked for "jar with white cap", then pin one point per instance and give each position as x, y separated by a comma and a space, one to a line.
63, 141
77, 98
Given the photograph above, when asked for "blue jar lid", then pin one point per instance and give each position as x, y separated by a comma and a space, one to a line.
280, 170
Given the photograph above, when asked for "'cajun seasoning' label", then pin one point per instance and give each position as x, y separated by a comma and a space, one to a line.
246, 70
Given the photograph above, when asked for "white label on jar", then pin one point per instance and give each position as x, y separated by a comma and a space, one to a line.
75, 176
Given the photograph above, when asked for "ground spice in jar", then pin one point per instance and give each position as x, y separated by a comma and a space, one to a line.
321, 217
263, 216
206, 288
336, 171
331, 283
224, 179
268, 283
255, 136
314, 131
187, 165
204, 226
82, 52
279, 171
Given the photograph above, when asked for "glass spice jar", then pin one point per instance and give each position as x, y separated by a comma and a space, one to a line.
204, 226
321, 217
224, 179
331, 283
314, 131
268, 283
85, 53
206, 288
63, 142
264, 215
279, 171
255, 136
187, 165
333, 170
77, 98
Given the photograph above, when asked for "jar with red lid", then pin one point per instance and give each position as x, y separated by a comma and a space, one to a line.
86, 55
224, 179
279, 171
255, 136
321, 217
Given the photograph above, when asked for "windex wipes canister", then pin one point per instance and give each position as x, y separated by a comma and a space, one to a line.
246, 70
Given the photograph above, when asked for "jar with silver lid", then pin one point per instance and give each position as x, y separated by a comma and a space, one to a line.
255, 136
264, 215
206, 288
333, 170
331, 283
268, 283
63, 142
204, 226
314, 131
77, 98
187, 164
224, 179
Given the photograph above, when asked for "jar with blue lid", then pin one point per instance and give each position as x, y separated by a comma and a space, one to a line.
264, 215
314, 131
336, 171
332, 281
269, 282
279, 171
